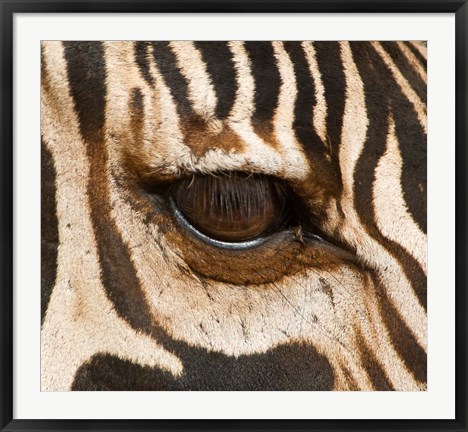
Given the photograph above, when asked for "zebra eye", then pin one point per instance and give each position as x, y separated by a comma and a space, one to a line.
231, 208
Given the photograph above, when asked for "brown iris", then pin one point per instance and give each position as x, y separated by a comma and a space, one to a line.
232, 207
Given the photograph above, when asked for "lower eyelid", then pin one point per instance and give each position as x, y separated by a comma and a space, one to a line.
258, 262
182, 221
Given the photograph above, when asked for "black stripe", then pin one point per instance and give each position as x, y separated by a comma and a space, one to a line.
405, 344
375, 371
285, 367
329, 62
267, 80
87, 77
351, 383
411, 268
371, 70
86, 73
220, 66
413, 149
141, 59
408, 71
118, 274
49, 227
166, 62
305, 100
376, 139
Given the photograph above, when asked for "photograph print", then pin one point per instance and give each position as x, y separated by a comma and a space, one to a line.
233, 216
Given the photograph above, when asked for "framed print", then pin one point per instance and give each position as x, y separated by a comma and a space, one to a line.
233, 215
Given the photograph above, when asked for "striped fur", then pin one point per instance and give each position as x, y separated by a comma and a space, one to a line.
131, 301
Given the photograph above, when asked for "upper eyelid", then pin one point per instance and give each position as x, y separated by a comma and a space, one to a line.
157, 179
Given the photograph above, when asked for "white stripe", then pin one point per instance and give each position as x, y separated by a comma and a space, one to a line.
382, 346
422, 49
390, 208
320, 108
355, 121
283, 119
200, 88
244, 103
284, 114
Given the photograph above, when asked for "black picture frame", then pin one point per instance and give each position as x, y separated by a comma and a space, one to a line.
9, 8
